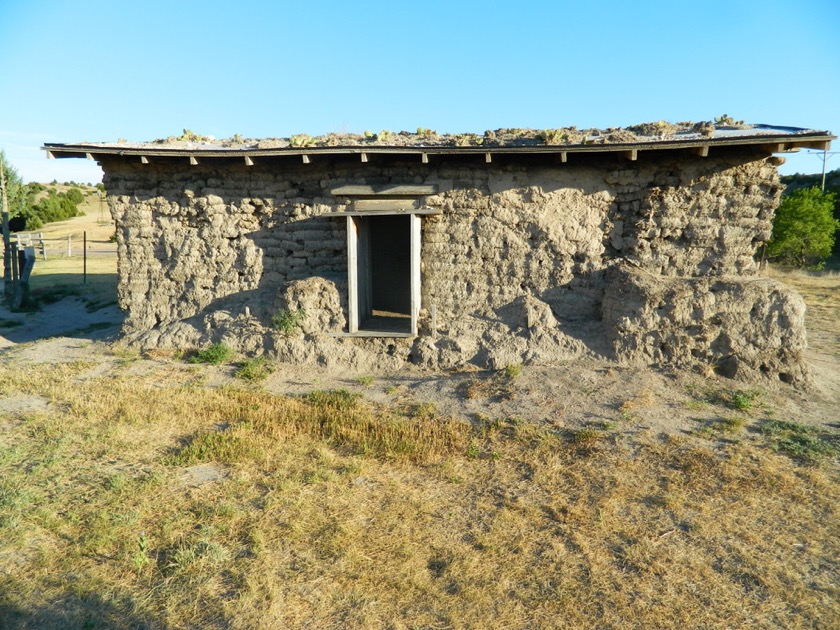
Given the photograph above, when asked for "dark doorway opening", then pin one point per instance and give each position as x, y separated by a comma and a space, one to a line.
384, 273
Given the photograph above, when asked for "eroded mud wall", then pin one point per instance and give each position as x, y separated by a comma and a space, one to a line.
210, 244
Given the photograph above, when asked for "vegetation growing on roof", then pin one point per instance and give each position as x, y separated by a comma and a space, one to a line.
513, 136
302, 140
727, 121
187, 136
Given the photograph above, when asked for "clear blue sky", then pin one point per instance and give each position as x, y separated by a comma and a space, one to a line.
99, 70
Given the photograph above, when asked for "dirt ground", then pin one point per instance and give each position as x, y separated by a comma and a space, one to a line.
589, 393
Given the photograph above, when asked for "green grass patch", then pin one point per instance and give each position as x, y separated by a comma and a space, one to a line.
254, 370
800, 442
216, 354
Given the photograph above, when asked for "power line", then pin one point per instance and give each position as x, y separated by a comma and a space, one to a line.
824, 156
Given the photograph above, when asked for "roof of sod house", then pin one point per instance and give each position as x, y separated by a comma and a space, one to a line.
696, 137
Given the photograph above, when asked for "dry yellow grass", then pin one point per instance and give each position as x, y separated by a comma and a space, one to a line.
821, 291
160, 503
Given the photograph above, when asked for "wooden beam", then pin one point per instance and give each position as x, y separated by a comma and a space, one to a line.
416, 276
776, 147
384, 205
193, 161
364, 156
368, 213
822, 145
702, 151
248, 161
50, 155
488, 157
564, 157
352, 276
424, 157
305, 158
144, 159
632, 154
89, 156
393, 190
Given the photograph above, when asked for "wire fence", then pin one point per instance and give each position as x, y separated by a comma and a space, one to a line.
70, 246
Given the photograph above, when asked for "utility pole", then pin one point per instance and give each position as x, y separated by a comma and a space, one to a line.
825, 157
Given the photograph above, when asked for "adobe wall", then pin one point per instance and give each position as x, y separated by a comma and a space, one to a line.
515, 264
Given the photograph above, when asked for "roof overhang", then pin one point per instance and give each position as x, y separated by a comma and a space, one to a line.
762, 137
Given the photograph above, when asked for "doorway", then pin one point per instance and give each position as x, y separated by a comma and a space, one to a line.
384, 274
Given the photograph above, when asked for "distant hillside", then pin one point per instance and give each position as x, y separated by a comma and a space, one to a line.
794, 182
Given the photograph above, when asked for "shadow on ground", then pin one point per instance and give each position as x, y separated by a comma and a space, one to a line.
69, 309
89, 611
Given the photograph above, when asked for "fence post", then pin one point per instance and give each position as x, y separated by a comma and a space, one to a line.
84, 257
43, 245
69, 246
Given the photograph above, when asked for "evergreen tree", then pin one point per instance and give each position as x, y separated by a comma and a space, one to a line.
15, 189
804, 228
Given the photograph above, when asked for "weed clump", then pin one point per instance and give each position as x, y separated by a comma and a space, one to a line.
287, 322
798, 441
216, 354
253, 370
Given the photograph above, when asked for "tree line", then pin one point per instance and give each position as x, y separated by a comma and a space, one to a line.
806, 223
32, 205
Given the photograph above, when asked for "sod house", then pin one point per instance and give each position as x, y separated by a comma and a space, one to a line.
517, 246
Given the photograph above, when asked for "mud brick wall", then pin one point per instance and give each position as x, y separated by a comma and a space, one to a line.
221, 236
191, 236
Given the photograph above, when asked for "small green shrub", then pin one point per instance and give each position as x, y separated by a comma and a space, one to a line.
141, 557
513, 370
365, 381
214, 355
473, 451
288, 322
743, 401
253, 370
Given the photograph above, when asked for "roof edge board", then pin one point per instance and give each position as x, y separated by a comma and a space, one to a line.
817, 140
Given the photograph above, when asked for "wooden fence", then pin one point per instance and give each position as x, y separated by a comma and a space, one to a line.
72, 245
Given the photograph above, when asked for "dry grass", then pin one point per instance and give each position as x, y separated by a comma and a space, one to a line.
329, 512
821, 291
